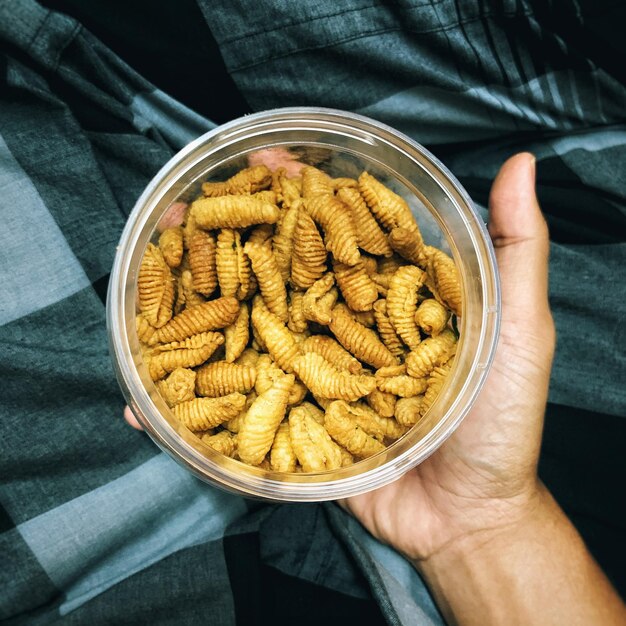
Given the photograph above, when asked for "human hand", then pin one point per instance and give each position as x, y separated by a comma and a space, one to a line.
484, 478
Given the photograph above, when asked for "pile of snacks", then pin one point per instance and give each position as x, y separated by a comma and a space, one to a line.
297, 324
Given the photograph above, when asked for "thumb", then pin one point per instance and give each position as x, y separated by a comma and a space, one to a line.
520, 238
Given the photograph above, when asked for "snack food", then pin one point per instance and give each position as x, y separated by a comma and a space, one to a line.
280, 295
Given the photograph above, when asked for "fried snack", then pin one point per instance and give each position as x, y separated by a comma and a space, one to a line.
282, 456
269, 279
389, 265
326, 381
288, 190
145, 331
435, 382
267, 195
308, 262
248, 357
259, 427
402, 303
261, 234
245, 277
314, 411
267, 372
155, 287
297, 322
319, 300
381, 428
282, 243
246, 181
178, 387
278, 339
408, 243
369, 264
409, 410
433, 351
331, 214
444, 274
342, 427
366, 318
188, 353
383, 403
205, 413
201, 257
234, 424
190, 297
369, 235
224, 442
232, 212
227, 261
171, 245
333, 352
343, 183
211, 315
355, 285
432, 317
401, 385
222, 378
314, 448
362, 342
386, 330
189, 228
389, 208
236, 335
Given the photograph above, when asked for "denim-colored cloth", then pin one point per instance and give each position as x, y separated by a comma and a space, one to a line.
97, 526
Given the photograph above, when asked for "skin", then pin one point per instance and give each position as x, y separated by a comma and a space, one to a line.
474, 519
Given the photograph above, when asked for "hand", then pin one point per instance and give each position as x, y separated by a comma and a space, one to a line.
484, 478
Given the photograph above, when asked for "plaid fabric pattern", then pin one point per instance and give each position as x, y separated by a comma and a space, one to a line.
97, 526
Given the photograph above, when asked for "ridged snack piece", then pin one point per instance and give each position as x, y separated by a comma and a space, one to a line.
432, 352
227, 261
190, 296
314, 448
201, 255
171, 245
402, 385
155, 287
389, 208
315, 183
269, 279
326, 381
308, 262
282, 456
205, 413
223, 442
282, 242
402, 303
445, 275
260, 424
386, 330
435, 382
342, 427
267, 372
364, 317
236, 335
233, 212
247, 284
261, 234
221, 378
247, 181
248, 357
408, 243
409, 410
278, 339
383, 403
390, 265
369, 235
333, 352
178, 387
234, 424
381, 428
432, 317
297, 322
210, 315
344, 182
319, 300
360, 341
145, 330
357, 288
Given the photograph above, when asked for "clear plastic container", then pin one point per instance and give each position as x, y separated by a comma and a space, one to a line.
342, 144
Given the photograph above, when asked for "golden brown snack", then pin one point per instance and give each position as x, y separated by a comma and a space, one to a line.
369, 235
362, 342
234, 424
232, 212
402, 303
408, 243
155, 287
227, 261
343, 182
332, 351
222, 378
211, 315
435, 382
383, 403
260, 424
268, 372
190, 296
342, 427
261, 234
205, 413
431, 316
401, 385
433, 351
314, 448
268, 277
171, 245
282, 456
201, 257
366, 318
282, 243
409, 410
248, 357
314, 411
145, 331
278, 339
246, 181
386, 330
288, 190
236, 335
308, 262
245, 277
297, 322
381, 428
326, 381
223, 442
388, 266
389, 208
267, 195
319, 300
356, 286
445, 278
178, 387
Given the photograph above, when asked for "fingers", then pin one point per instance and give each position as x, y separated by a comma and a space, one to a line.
131, 419
520, 238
